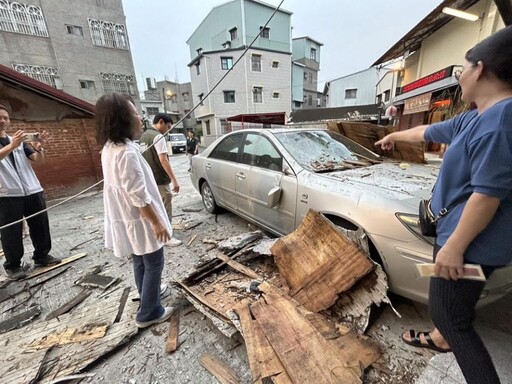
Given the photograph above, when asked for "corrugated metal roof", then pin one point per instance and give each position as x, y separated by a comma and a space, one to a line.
426, 27
20, 80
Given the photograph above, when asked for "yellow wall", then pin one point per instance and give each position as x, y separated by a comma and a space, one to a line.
448, 45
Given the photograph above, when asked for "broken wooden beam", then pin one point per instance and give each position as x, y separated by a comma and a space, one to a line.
189, 243
174, 332
41, 270
12, 289
69, 305
263, 361
189, 210
318, 262
20, 320
95, 280
305, 354
219, 369
122, 304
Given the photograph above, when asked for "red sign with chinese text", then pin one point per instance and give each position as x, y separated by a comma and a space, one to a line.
432, 78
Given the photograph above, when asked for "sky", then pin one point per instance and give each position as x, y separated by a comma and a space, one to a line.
354, 33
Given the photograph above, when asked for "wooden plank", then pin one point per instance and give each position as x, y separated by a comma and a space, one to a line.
305, 354
48, 277
41, 270
65, 308
20, 320
73, 357
251, 347
202, 301
12, 289
174, 332
27, 369
237, 266
189, 243
122, 304
263, 360
222, 372
318, 262
355, 349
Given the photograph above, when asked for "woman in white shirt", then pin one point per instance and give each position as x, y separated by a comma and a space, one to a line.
135, 220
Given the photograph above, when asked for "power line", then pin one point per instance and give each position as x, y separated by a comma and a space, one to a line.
163, 135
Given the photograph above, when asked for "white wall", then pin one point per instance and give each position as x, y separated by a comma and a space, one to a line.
364, 81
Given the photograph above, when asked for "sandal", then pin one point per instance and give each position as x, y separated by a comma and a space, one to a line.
416, 341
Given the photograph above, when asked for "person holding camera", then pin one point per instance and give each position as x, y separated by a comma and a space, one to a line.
475, 182
21, 195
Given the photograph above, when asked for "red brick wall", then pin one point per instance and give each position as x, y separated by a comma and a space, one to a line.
72, 156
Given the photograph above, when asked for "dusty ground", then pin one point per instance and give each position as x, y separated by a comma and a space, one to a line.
143, 359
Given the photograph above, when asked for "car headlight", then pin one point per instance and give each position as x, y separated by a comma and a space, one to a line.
411, 222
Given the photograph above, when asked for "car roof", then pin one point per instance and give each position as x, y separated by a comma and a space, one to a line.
279, 130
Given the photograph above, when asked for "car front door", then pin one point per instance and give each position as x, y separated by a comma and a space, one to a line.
265, 176
221, 168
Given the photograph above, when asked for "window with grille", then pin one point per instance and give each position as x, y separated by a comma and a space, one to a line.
226, 62
265, 32
20, 18
47, 75
108, 34
256, 63
275, 64
74, 30
257, 94
275, 95
119, 83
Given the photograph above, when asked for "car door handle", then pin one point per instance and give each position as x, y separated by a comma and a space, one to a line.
240, 175
208, 166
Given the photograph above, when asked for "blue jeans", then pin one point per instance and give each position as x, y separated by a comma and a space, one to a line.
148, 274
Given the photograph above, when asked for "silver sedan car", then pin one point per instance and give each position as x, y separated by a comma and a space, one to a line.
272, 177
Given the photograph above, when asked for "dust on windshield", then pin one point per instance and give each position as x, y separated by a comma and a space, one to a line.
320, 151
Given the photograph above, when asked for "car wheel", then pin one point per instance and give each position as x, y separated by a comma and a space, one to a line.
208, 200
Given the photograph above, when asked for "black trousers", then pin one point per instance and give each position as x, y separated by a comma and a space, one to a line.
452, 308
15, 208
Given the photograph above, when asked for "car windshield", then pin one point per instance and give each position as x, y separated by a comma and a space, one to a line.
319, 151
178, 138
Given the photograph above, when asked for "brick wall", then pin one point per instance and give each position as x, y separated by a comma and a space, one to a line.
72, 155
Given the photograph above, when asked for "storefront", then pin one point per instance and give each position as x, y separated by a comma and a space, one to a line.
431, 99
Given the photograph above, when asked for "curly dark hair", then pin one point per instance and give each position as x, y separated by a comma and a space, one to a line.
495, 52
114, 119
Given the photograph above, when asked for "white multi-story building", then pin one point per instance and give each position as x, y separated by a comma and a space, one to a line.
259, 85
78, 46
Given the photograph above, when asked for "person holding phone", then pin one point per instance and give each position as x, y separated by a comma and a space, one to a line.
21, 195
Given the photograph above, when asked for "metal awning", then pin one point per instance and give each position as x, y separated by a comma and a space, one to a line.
276, 118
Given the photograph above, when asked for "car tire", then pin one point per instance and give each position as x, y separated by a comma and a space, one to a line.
208, 200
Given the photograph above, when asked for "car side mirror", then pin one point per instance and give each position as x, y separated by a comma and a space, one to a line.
273, 197
287, 170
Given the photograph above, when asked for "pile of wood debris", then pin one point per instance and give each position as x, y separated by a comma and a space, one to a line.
301, 312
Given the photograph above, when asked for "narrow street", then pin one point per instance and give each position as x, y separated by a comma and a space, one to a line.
78, 227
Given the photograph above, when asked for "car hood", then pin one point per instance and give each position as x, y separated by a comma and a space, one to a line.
396, 181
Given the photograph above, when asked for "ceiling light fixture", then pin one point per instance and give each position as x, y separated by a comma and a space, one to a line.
461, 14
